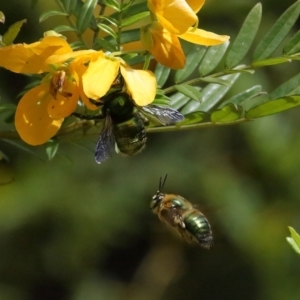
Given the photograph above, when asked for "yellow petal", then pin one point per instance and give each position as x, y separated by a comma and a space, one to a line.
174, 15
195, 5
166, 47
84, 54
99, 76
51, 45
32, 120
77, 69
63, 106
29, 59
202, 37
141, 84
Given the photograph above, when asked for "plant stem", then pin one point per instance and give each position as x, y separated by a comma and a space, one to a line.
120, 26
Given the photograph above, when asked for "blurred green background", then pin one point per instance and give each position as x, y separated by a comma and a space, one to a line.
72, 229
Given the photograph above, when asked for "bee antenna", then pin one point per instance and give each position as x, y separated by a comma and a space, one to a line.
162, 182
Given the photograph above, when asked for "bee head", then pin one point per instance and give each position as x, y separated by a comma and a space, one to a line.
156, 199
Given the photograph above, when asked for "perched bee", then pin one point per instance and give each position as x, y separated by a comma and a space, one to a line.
124, 124
181, 215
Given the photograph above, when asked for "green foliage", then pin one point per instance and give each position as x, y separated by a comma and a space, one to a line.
86, 15
193, 58
209, 101
212, 58
277, 33
12, 32
2, 17
294, 240
245, 37
51, 149
273, 107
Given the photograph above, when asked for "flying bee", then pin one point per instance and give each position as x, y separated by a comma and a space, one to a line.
124, 124
179, 214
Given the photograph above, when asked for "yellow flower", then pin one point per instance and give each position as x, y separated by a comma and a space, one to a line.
176, 16
102, 72
42, 109
175, 20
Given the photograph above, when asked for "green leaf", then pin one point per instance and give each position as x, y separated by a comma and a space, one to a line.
270, 62
294, 57
190, 107
215, 80
108, 30
212, 58
213, 93
25, 148
294, 240
161, 73
51, 148
228, 113
77, 45
63, 28
103, 43
193, 59
293, 45
51, 13
189, 91
233, 71
129, 56
290, 87
245, 37
109, 20
135, 18
273, 107
69, 5
127, 5
7, 112
2, 17
6, 106
12, 32
193, 118
179, 100
3, 156
277, 33
86, 15
243, 96
161, 99
113, 4
136, 60
135, 9
130, 36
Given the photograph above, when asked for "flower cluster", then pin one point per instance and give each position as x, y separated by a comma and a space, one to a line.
69, 77
173, 19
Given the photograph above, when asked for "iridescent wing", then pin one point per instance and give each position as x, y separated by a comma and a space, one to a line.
105, 142
166, 115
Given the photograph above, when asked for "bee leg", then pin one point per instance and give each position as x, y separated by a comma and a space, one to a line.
178, 221
144, 119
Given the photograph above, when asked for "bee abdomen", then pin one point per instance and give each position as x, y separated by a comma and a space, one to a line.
130, 135
199, 228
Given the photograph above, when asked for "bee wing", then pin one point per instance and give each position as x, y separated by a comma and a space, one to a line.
166, 115
105, 142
